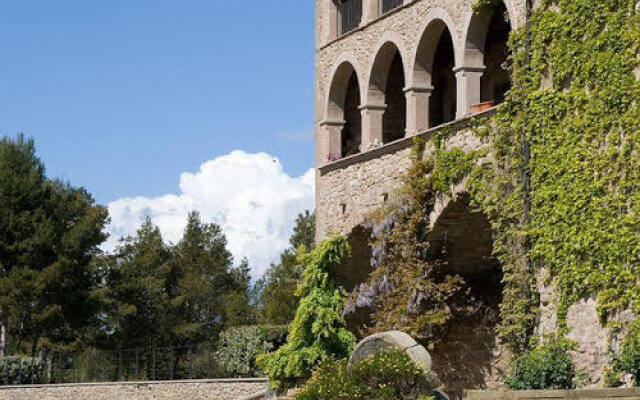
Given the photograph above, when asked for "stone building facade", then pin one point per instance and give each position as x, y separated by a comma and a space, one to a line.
390, 70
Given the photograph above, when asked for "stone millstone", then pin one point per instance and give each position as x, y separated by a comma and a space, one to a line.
380, 342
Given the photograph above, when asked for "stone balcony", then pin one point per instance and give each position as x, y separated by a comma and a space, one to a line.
349, 189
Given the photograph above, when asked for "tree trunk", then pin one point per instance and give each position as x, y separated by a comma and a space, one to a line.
3, 337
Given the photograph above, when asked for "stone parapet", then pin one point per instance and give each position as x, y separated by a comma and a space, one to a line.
600, 394
226, 389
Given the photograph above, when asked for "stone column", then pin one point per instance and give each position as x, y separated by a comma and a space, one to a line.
468, 86
330, 146
417, 109
371, 125
370, 10
331, 21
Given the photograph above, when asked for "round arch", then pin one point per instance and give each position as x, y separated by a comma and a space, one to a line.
476, 29
486, 50
436, 23
386, 91
343, 107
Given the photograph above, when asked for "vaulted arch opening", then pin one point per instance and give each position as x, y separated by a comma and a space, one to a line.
442, 104
462, 240
352, 131
434, 83
386, 92
486, 48
343, 110
353, 272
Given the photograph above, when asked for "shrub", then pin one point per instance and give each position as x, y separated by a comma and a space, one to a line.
240, 346
21, 371
387, 375
318, 331
629, 359
548, 366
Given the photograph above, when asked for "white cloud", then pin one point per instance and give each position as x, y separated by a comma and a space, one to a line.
249, 195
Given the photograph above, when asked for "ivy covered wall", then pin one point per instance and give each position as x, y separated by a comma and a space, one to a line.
574, 101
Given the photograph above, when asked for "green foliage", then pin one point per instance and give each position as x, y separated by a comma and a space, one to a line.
136, 278
240, 346
628, 360
576, 103
181, 295
548, 366
21, 371
318, 330
49, 233
411, 274
304, 231
277, 302
388, 375
479, 5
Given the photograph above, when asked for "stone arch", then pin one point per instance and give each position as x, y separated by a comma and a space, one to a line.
352, 273
436, 21
385, 99
343, 107
485, 51
461, 238
434, 83
425, 95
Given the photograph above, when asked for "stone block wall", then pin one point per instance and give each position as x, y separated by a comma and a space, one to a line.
595, 394
349, 189
243, 389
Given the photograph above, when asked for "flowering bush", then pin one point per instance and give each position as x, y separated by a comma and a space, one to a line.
240, 346
388, 375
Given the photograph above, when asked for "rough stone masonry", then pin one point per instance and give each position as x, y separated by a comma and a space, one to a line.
446, 60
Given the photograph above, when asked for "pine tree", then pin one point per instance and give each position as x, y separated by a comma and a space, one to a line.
276, 299
49, 232
136, 280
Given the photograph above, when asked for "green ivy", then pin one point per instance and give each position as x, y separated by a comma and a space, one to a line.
548, 366
575, 99
628, 359
577, 104
318, 331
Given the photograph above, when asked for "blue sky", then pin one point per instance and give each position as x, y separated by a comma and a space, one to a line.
122, 96
159, 107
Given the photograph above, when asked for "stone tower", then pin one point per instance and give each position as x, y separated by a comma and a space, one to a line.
390, 70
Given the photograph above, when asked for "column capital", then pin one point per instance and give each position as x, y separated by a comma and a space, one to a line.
373, 107
332, 122
418, 89
469, 68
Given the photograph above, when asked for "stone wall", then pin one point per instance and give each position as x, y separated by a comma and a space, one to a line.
348, 190
595, 394
244, 389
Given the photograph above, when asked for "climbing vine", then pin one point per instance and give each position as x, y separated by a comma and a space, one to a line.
578, 106
575, 100
420, 297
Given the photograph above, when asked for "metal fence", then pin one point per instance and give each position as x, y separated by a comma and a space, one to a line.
153, 364
350, 12
388, 5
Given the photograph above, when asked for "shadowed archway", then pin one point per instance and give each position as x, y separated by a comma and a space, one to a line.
343, 108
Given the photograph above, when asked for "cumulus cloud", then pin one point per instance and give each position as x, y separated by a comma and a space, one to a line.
249, 195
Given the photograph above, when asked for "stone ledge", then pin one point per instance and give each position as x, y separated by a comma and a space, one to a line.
365, 25
401, 144
137, 383
601, 394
